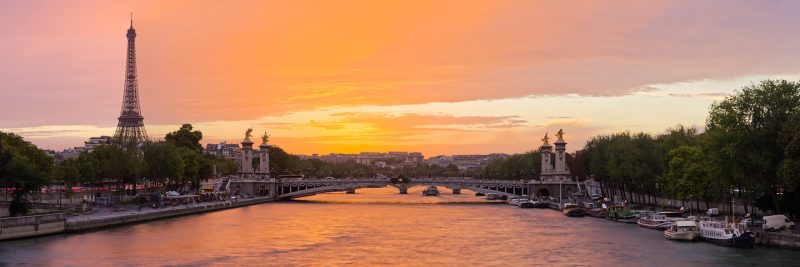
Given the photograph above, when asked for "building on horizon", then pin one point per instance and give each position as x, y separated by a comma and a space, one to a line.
370, 158
74, 152
466, 162
223, 149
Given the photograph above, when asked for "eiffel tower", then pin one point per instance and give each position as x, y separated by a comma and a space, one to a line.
130, 127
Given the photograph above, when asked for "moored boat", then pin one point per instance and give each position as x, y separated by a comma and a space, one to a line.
593, 210
684, 230
622, 214
526, 204
539, 204
515, 200
430, 191
726, 234
654, 221
573, 210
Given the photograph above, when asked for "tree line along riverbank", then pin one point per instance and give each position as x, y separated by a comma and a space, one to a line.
748, 152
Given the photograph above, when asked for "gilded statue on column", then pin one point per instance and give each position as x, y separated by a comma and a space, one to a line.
248, 134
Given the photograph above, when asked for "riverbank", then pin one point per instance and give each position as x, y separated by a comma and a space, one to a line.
34, 226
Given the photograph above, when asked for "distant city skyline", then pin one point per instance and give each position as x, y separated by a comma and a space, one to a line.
351, 76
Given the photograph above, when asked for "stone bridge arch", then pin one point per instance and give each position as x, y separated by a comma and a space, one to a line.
303, 188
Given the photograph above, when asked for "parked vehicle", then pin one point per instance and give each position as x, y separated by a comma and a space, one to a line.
776, 223
492, 196
750, 222
713, 212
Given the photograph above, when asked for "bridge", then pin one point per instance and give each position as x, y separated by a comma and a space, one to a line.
301, 188
296, 188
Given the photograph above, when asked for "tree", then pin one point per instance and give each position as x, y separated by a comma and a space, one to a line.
688, 176
24, 168
743, 131
186, 137
191, 167
120, 164
281, 162
790, 165
163, 162
225, 166
68, 172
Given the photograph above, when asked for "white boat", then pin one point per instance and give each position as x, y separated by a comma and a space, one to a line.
654, 221
685, 230
726, 234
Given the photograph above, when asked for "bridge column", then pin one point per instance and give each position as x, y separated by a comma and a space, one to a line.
351, 191
403, 189
456, 191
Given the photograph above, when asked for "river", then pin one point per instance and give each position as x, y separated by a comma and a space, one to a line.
380, 227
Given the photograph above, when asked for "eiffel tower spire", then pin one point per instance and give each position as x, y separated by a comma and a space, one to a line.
130, 127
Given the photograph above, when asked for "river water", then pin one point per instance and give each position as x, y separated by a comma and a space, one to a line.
381, 227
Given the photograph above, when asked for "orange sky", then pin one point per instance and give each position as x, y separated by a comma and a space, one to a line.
441, 77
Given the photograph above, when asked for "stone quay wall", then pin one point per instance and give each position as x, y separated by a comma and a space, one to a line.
31, 226
78, 224
778, 239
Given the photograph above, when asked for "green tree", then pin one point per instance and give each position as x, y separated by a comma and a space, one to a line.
186, 137
281, 163
119, 164
68, 172
191, 167
23, 168
689, 176
742, 133
163, 163
225, 166
790, 165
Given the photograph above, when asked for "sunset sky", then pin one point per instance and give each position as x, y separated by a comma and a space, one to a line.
440, 77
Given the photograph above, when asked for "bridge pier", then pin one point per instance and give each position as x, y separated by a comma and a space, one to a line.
403, 190
350, 191
456, 191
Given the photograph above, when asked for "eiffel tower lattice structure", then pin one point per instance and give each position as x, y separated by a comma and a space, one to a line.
130, 127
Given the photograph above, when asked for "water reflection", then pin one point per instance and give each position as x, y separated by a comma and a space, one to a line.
380, 227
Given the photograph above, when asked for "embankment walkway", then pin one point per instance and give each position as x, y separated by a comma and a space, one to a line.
35, 226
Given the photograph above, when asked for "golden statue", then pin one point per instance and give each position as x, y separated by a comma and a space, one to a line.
248, 134
560, 134
545, 139
264, 138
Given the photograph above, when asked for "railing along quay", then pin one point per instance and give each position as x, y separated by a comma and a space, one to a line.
32, 220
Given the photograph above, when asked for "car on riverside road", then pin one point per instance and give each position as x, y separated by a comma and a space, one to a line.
750, 222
